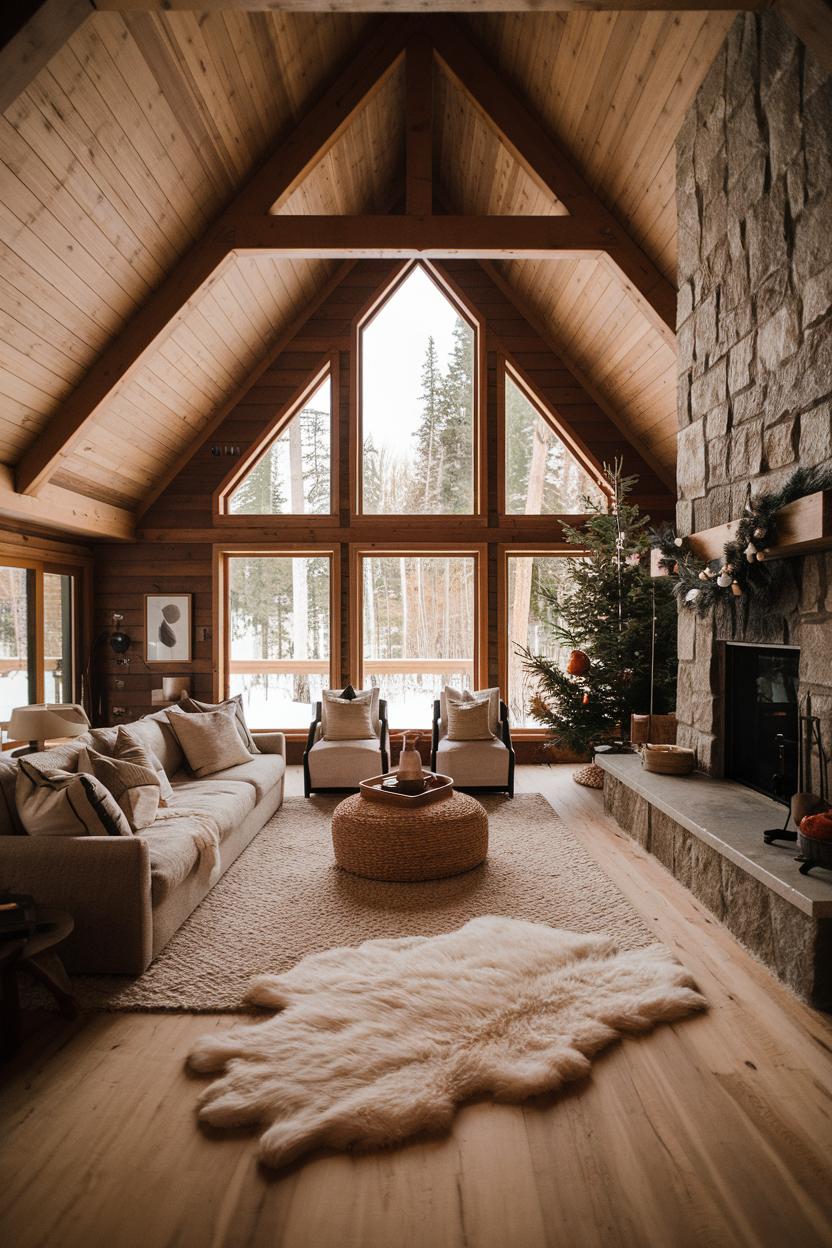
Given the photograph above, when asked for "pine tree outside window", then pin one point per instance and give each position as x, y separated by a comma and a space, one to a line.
292, 475
418, 399
542, 475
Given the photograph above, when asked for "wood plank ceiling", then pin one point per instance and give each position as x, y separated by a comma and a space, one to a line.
143, 126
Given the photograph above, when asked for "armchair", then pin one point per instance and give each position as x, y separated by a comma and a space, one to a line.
335, 766
487, 766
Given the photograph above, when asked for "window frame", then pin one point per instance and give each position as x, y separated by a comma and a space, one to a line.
505, 550
478, 516
222, 611
361, 550
79, 568
328, 367
507, 368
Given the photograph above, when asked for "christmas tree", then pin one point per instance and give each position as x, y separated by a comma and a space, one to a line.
605, 612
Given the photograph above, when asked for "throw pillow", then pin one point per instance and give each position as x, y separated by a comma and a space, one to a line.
468, 721
491, 696
51, 802
234, 704
129, 748
348, 721
349, 694
210, 740
134, 786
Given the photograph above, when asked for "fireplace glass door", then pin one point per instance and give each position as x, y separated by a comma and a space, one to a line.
762, 718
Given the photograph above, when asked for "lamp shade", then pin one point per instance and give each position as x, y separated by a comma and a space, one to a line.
41, 722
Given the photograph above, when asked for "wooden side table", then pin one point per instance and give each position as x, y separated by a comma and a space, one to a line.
34, 956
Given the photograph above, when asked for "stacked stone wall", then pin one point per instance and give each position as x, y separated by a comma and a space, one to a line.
754, 197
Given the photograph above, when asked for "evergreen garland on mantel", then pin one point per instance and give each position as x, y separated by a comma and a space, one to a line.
743, 570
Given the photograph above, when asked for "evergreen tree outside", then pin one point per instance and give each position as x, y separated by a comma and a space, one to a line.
605, 609
457, 424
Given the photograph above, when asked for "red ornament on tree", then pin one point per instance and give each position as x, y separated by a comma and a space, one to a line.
578, 663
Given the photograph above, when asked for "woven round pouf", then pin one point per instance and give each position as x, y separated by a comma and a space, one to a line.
428, 843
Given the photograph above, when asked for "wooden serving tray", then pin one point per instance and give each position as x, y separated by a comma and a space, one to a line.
443, 786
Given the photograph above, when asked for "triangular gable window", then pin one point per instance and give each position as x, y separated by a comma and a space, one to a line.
292, 476
543, 476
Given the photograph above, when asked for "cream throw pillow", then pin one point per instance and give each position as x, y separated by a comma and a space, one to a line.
210, 740
491, 696
348, 694
348, 720
235, 705
51, 802
130, 749
134, 786
468, 720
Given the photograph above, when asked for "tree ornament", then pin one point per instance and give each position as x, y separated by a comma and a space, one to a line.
634, 559
751, 552
703, 575
736, 589
678, 541
585, 700
723, 580
627, 675
578, 663
760, 556
759, 533
692, 595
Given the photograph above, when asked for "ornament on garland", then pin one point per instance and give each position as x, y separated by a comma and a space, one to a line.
578, 663
744, 570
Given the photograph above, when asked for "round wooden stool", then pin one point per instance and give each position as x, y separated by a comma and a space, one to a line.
428, 843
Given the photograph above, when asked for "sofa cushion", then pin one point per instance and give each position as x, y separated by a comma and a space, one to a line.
227, 802
263, 772
52, 802
10, 824
210, 740
125, 743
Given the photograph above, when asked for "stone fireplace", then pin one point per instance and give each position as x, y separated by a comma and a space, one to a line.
754, 196
754, 192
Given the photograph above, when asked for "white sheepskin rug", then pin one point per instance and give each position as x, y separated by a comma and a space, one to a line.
378, 1042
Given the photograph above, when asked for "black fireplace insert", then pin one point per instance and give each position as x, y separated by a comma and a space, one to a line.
761, 720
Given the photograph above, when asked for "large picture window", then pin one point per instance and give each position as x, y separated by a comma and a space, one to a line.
526, 621
37, 636
419, 628
278, 634
418, 398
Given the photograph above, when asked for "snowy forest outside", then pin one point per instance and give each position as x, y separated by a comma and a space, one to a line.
418, 611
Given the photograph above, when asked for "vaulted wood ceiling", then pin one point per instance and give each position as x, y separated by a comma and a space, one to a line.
139, 130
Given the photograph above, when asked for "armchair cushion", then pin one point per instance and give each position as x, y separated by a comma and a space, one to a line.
474, 764
344, 764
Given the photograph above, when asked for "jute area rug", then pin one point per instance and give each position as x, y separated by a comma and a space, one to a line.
285, 898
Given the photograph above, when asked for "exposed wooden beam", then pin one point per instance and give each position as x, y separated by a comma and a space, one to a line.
526, 137
811, 21
436, 6
381, 237
239, 393
288, 164
57, 508
31, 32
419, 126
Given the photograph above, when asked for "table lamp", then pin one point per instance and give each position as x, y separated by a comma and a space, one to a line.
43, 722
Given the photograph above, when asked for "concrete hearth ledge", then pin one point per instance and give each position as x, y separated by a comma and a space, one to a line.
731, 819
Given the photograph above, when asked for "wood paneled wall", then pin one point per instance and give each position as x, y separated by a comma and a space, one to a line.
174, 553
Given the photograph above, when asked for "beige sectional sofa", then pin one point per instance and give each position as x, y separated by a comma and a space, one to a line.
129, 894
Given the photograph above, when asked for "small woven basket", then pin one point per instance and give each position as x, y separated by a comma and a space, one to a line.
668, 760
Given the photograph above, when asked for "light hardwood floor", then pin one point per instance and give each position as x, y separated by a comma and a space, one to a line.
714, 1132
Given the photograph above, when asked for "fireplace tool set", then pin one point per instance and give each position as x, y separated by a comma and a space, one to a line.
809, 809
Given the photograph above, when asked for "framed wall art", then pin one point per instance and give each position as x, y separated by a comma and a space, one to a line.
167, 628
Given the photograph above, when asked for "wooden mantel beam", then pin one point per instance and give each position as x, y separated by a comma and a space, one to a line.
525, 136
290, 161
381, 237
